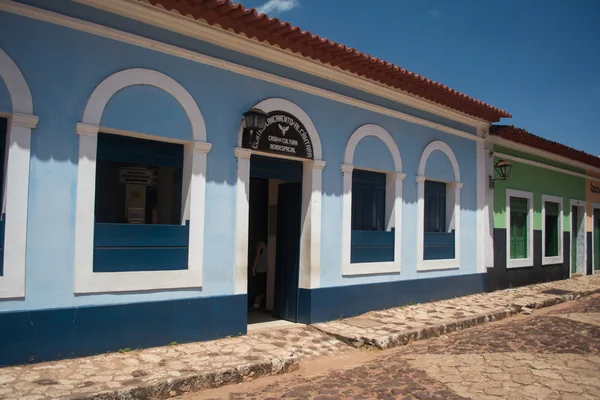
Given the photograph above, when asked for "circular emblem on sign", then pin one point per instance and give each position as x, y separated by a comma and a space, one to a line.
283, 134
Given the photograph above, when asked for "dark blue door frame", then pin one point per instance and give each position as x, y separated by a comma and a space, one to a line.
287, 267
289, 210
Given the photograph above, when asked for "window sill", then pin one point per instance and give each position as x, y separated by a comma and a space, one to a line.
552, 260
106, 282
437, 265
389, 267
519, 263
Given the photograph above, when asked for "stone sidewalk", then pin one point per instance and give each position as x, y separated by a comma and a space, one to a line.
164, 372
172, 370
398, 326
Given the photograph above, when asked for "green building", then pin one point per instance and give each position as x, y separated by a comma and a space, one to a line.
539, 216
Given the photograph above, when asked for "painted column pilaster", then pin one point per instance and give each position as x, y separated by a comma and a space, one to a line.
397, 216
420, 217
197, 202
84, 200
346, 213
315, 224
242, 210
457, 217
16, 196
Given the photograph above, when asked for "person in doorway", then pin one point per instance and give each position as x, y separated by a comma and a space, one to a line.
259, 272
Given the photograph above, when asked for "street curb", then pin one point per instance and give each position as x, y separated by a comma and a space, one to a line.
402, 339
201, 381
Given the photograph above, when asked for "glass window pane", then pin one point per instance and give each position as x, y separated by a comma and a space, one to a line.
146, 190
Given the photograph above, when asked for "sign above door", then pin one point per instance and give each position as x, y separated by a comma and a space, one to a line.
283, 134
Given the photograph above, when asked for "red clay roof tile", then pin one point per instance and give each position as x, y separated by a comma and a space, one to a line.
521, 136
271, 30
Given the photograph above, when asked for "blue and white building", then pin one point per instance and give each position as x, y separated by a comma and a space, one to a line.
132, 201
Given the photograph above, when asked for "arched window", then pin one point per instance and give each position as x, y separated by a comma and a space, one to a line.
372, 210
438, 227
140, 197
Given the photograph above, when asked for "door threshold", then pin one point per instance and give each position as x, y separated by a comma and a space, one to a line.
270, 325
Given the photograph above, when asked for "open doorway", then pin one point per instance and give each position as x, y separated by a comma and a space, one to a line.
578, 238
275, 207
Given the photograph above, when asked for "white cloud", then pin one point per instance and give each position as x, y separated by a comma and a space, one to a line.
434, 13
277, 6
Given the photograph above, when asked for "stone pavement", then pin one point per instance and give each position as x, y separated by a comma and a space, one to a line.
547, 355
163, 372
171, 370
398, 326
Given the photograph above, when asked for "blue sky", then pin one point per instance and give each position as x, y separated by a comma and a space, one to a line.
537, 59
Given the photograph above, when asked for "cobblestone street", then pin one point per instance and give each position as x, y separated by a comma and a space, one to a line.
551, 354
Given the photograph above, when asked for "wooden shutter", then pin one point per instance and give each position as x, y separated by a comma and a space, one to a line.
518, 227
368, 201
551, 224
435, 207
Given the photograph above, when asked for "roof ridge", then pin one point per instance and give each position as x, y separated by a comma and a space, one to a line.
522, 136
252, 24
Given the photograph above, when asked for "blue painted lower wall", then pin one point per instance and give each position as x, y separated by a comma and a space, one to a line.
326, 304
35, 336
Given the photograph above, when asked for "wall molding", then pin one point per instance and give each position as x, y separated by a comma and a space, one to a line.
436, 265
16, 183
310, 236
114, 34
545, 166
393, 199
24, 120
193, 189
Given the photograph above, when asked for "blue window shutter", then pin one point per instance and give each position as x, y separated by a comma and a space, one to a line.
368, 201
435, 206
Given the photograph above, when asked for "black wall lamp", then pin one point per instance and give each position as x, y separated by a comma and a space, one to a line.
502, 168
255, 121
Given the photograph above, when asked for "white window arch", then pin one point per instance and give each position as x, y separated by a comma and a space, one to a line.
310, 236
193, 194
393, 203
456, 185
16, 187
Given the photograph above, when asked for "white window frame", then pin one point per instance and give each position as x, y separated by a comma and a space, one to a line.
193, 193
16, 183
559, 258
520, 262
393, 201
452, 263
